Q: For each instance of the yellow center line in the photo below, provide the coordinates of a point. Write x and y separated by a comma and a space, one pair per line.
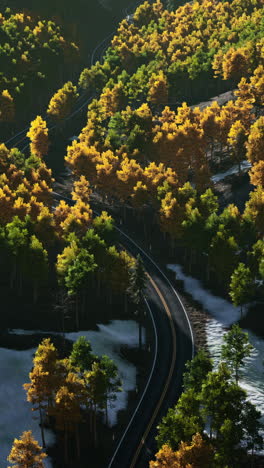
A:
165, 305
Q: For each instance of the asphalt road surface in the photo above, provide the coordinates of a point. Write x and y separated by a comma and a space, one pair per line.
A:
173, 347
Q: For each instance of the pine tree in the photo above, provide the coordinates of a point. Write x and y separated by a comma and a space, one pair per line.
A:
196, 454
37, 267
235, 349
137, 285
7, 107
237, 139
158, 90
255, 144
257, 174
97, 384
113, 381
254, 210
182, 421
46, 359
38, 394
81, 356
38, 135
241, 285
197, 370
26, 452
82, 190
69, 398
61, 103
165, 458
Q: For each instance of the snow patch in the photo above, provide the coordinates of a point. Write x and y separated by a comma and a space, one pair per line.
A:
245, 166
16, 414
108, 340
219, 308
222, 315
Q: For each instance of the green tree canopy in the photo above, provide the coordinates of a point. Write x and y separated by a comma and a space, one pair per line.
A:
235, 349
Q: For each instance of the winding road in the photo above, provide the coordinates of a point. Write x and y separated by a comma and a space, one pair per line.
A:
173, 346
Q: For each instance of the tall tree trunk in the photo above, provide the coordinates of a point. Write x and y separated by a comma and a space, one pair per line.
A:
13, 275
42, 428
252, 457
139, 331
91, 420
145, 230
95, 429
190, 260
106, 412
20, 285
35, 292
63, 326
66, 459
207, 269
83, 306
98, 284
110, 297
77, 441
77, 313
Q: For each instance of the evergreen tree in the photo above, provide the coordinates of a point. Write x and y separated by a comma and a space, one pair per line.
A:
62, 102
241, 286
182, 421
113, 381
97, 383
26, 452
219, 404
38, 393
137, 285
81, 355
197, 370
38, 135
235, 349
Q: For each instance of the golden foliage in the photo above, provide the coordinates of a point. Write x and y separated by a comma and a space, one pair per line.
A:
197, 454
82, 190
255, 144
26, 452
7, 107
38, 135
61, 103
257, 174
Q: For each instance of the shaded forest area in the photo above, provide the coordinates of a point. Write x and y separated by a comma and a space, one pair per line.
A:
85, 21
42, 46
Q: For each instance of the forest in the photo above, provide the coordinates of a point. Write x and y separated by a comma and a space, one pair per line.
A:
138, 150
33, 53
153, 137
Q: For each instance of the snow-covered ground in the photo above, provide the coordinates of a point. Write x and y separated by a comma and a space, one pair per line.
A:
16, 415
222, 314
15, 412
245, 165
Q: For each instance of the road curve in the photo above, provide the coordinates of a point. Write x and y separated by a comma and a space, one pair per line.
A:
173, 346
